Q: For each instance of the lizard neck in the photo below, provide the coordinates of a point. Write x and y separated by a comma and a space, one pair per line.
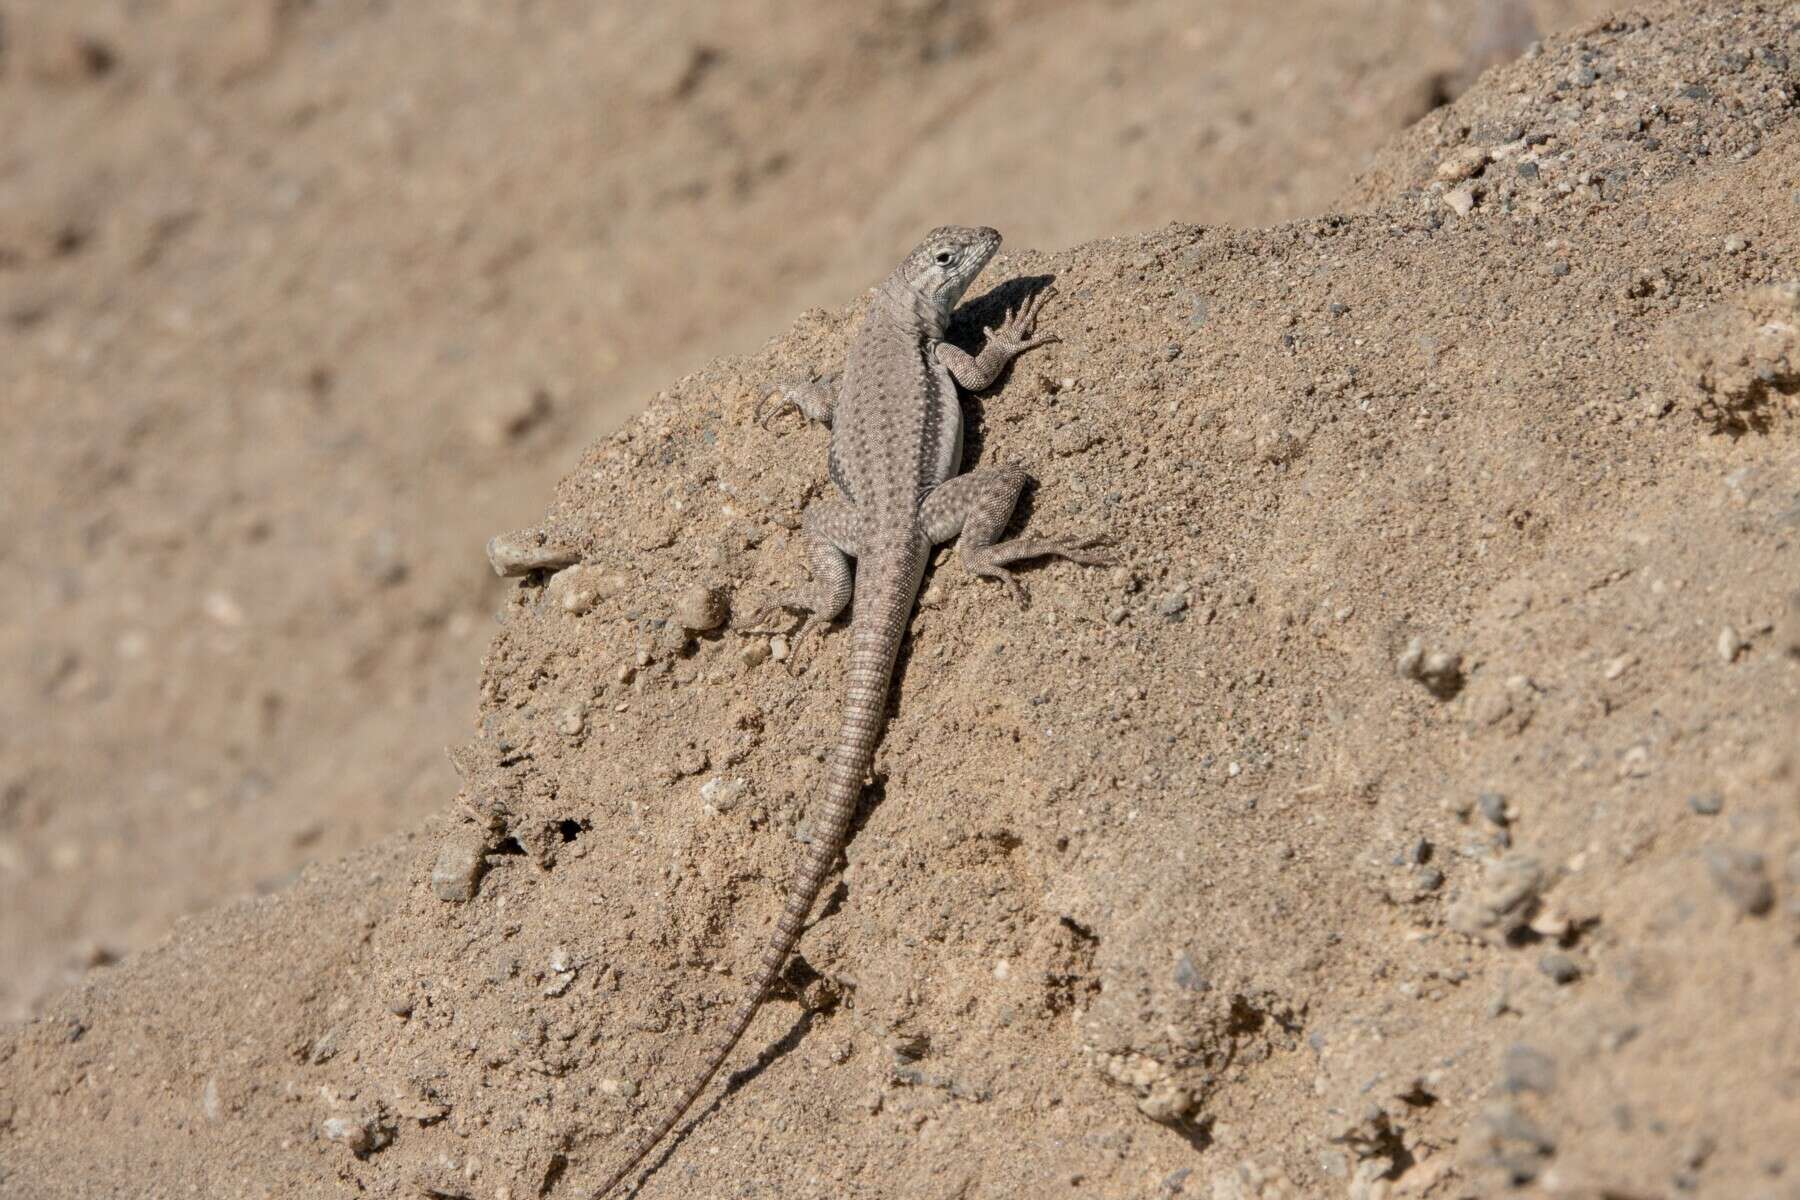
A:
902, 304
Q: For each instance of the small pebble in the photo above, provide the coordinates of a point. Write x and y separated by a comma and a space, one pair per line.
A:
1696, 1150
1736, 244
1117, 615
1505, 898
571, 723
756, 653
624, 1089
1707, 804
525, 551
1730, 644
1525, 1068
1493, 807
457, 871
353, 1132
1172, 604
721, 795
1559, 967
779, 648
1188, 977
700, 609
1464, 163
1742, 875
1461, 199
1439, 670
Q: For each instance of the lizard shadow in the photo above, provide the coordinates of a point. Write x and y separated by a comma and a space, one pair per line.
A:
966, 330
791, 1040
735, 1082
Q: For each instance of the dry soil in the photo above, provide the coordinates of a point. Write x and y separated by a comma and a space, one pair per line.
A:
1414, 812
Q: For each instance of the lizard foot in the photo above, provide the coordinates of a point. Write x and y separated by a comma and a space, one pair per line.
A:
990, 561
814, 399
1011, 581
1015, 332
759, 623
796, 635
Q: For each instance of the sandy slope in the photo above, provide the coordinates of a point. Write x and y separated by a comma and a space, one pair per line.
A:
301, 301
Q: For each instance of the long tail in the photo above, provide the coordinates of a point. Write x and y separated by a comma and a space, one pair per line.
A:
876, 629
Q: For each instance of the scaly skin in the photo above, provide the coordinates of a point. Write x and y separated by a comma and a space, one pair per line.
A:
896, 445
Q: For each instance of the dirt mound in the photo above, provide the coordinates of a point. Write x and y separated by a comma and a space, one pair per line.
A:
299, 302
1415, 814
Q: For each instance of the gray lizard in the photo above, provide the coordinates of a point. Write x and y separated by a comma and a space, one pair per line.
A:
896, 447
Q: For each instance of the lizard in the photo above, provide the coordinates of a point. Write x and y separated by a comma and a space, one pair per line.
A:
896, 452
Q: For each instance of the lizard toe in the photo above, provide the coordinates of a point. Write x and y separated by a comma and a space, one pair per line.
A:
989, 570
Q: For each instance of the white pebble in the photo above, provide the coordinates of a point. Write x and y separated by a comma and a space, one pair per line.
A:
721, 795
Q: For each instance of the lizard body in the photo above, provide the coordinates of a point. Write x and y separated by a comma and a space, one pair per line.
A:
896, 447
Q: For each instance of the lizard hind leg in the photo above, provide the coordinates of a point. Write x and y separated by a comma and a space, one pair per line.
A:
833, 536
974, 508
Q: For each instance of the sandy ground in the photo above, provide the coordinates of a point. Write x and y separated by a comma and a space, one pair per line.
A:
1414, 813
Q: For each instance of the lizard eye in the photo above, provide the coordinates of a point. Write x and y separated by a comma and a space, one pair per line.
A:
944, 257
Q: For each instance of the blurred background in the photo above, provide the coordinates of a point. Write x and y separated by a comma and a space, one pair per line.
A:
301, 300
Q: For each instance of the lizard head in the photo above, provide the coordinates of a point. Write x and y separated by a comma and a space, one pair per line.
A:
942, 266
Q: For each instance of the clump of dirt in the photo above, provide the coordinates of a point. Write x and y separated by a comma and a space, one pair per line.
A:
1415, 813
1742, 359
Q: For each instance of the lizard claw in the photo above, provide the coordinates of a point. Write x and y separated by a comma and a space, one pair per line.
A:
1089, 551
763, 614
765, 414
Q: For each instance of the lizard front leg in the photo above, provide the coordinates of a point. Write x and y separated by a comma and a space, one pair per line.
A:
833, 536
976, 371
974, 508
815, 398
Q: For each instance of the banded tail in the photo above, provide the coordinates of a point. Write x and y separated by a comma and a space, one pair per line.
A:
875, 630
